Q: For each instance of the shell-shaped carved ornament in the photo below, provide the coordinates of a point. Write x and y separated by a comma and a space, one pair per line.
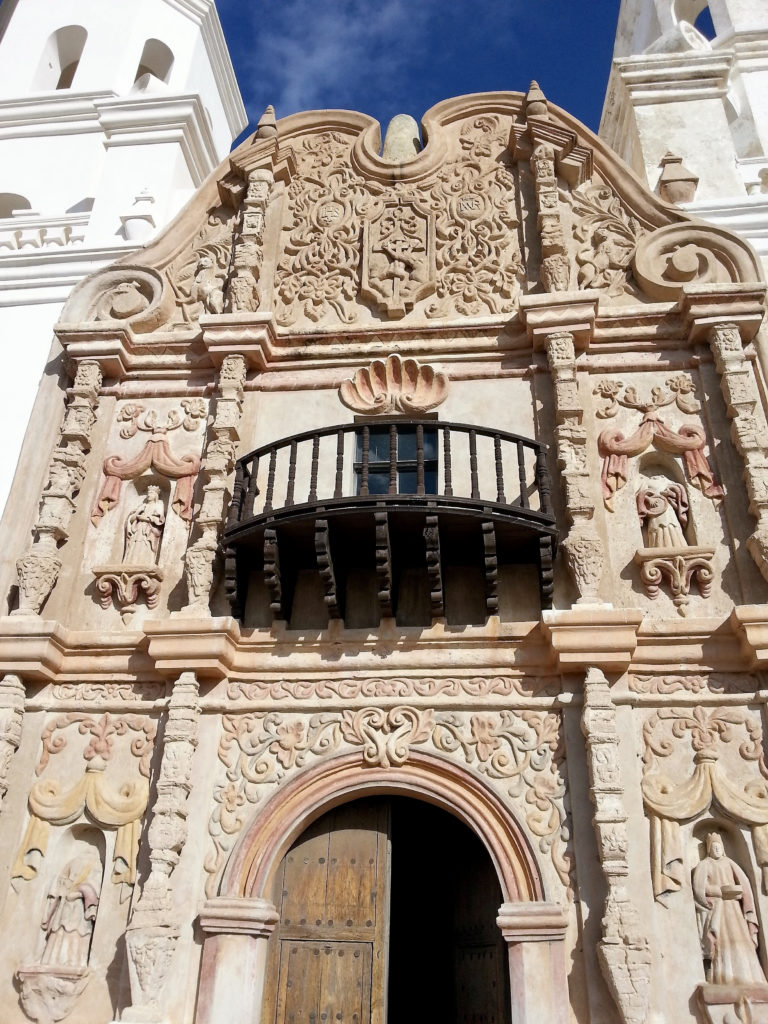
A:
394, 385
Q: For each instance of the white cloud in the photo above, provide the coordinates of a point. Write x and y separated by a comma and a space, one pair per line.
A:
307, 54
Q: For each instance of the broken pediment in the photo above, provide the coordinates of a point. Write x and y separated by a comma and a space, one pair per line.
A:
307, 231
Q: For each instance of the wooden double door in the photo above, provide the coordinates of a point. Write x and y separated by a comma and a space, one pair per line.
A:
387, 913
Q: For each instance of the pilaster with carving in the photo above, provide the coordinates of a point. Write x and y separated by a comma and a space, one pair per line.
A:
748, 430
582, 545
244, 294
153, 931
11, 715
555, 269
217, 464
38, 569
623, 950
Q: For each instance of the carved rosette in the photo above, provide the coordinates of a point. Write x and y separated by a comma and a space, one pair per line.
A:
152, 931
11, 715
218, 463
624, 953
38, 569
748, 430
583, 548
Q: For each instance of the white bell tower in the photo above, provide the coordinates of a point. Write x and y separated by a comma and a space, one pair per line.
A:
700, 103
111, 115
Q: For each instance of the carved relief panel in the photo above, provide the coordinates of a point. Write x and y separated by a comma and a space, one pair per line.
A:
449, 244
658, 480
141, 514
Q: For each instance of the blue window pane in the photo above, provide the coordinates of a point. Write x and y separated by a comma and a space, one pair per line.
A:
430, 481
430, 444
378, 483
379, 447
407, 481
406, 443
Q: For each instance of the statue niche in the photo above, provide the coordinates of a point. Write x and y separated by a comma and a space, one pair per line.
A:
144, 529
50, 987
137, 573
667, 554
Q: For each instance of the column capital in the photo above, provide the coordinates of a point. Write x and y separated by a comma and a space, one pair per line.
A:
551, 313
229, 915
713, 305
532, 922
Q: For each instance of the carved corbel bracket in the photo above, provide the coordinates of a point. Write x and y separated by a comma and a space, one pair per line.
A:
250, 335
680, 568
125, 584
49, 991
543, 315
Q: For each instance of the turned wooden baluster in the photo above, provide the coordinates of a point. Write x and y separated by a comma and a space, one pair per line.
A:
521, 474
313, 473
499, 470
447, 469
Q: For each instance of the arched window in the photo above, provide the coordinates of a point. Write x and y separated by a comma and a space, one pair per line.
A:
60, 58
11, 202
156, 60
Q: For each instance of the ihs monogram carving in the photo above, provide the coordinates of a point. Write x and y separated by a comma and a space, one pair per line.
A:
520, 753
609, 235
693, 757
114, 797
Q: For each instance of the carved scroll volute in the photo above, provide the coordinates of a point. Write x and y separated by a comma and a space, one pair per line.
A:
398, 256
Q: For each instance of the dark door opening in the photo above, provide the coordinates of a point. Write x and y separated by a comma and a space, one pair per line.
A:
387, 913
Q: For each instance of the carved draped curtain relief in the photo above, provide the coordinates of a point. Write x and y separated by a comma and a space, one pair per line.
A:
657, 477
92, 768
702, 761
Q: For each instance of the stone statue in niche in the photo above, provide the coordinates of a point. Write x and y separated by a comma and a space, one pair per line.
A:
70, 913
663, 509
728, 926
144, 529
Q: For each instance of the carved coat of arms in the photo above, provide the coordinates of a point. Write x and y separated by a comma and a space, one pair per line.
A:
398, 256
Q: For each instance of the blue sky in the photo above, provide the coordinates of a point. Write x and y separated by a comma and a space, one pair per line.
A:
385, 57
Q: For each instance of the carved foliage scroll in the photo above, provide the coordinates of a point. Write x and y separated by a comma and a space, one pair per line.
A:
519, 753
455, 236
608, 234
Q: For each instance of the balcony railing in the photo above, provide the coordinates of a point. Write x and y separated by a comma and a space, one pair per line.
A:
449, 472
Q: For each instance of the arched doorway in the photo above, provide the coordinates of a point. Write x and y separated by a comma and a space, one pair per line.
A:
387, 911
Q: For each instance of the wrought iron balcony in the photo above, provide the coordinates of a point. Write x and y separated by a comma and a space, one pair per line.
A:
388, 495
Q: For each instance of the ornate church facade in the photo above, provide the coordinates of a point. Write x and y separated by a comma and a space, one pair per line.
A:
388, 639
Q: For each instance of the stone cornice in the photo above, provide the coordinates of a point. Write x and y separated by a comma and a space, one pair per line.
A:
671, 78
162, 118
